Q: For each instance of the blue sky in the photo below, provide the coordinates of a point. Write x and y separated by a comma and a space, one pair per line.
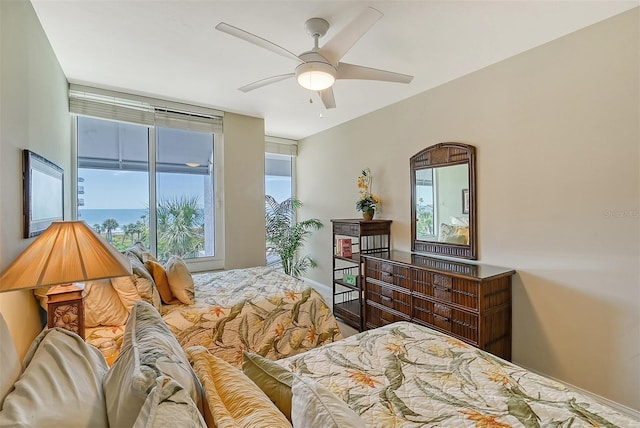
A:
109, 189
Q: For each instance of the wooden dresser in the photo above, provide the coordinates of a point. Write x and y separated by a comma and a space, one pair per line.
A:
471, 302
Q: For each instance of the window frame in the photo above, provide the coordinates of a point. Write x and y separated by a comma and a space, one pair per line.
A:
195, 264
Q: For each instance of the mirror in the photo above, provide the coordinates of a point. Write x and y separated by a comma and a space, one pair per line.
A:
443, 201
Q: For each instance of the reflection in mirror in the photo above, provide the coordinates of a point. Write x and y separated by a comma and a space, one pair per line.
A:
440, 207
443, 205
424, 204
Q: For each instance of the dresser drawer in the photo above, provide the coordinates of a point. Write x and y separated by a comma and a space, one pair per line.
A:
390, 273
347, 229
388, 297
377, 317
459, 323
446, 288
470, 302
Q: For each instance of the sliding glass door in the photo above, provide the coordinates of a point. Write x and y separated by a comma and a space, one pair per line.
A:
149, 184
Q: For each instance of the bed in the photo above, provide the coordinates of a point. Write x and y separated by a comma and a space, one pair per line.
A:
259, 309
408, 375
400, 375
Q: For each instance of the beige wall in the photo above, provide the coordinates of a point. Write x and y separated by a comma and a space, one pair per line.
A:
556, 131
244, 191
33, 115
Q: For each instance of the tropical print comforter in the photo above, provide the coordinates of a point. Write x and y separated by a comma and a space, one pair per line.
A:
406, 375
258, 309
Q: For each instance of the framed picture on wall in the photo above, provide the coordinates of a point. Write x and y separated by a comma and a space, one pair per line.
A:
43, 193
465, 201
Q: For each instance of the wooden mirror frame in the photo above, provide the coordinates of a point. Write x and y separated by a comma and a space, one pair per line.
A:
446, 154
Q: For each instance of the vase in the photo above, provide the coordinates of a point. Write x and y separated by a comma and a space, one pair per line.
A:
368, 213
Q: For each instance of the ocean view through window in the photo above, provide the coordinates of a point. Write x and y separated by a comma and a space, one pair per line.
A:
118, 184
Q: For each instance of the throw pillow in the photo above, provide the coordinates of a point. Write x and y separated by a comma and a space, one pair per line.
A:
180, 280
273, 379
102, 305
148, 351
144, 283
313, 405
125, 286
60, 386
233, 400
162, 283
137, 250
146, 256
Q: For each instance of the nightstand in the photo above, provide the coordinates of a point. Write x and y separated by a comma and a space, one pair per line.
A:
65, 308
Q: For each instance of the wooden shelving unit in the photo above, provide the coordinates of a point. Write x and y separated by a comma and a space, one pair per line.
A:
366, 237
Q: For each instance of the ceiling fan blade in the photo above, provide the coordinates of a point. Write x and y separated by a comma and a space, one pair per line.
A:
265, 82
256, 40
327, 98
339, 44
350, 71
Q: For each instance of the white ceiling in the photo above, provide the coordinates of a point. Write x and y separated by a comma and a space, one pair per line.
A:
170, 49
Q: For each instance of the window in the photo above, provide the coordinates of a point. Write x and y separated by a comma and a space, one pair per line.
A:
278, 176
279, 180
156, 183
113, 175
424, 204
184, 193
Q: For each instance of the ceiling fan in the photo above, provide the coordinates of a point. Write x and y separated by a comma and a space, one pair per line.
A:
319, 68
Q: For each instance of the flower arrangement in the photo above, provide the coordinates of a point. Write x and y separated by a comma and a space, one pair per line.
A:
368, 202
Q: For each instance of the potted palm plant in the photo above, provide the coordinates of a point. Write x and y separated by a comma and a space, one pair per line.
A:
285, 235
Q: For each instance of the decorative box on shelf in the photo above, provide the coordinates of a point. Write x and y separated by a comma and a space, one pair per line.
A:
349, 279
344, 248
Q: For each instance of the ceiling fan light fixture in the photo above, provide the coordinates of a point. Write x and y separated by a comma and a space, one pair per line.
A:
316, 76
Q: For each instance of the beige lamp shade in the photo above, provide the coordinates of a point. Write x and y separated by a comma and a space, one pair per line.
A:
68, 251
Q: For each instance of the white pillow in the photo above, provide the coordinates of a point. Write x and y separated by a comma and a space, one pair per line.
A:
148, 351
313, 405
102, 305
169, 405
127, 291
180, 280
10, 370
60, 386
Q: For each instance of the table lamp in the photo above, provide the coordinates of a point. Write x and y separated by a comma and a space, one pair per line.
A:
66, 252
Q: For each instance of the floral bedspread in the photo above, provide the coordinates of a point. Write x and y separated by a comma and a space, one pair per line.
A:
258, 309
405, 375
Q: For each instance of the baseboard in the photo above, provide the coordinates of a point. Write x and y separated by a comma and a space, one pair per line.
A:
323, 289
